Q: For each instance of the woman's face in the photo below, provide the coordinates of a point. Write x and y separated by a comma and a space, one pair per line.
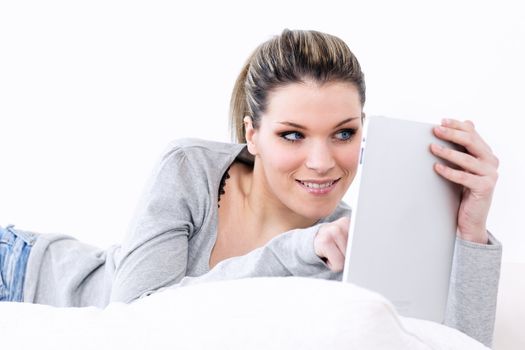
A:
307, 145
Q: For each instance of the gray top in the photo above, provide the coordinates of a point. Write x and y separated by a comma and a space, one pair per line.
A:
171, 238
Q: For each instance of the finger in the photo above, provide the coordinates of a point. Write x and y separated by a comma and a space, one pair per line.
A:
341, 240
335, 258
468, 139
471, 140
464, 160
476, 184
341, 237
466, 125
343, 223
337, 233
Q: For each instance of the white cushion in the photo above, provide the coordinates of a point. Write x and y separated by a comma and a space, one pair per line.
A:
258, 313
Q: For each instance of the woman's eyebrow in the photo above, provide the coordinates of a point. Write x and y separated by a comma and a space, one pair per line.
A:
298, 126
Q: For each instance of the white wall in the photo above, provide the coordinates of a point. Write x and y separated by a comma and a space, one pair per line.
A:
91, 92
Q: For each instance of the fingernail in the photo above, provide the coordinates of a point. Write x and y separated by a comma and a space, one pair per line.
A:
442, 129
445, 121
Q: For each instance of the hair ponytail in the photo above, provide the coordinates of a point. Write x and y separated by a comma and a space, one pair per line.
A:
239, 107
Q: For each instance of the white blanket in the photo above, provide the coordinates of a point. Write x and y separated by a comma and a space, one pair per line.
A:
259, 313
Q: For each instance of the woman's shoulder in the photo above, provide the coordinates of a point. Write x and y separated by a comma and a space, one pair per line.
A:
206, 153
192, 168
196, 145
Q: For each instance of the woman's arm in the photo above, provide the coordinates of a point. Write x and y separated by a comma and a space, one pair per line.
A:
477, 259
155, 251
289, 254
471, 306
316, 251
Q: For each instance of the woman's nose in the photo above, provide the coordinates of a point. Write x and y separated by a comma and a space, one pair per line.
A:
320, 158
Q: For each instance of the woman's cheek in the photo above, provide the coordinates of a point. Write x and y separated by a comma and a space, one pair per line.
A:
287, 160
348, 159
351, 160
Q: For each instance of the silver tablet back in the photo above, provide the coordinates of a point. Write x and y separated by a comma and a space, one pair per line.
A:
404, 218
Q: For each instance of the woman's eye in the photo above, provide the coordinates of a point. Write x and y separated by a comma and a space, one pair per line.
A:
292, 136
345, 134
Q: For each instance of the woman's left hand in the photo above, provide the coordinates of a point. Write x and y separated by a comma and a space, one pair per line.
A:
478, 175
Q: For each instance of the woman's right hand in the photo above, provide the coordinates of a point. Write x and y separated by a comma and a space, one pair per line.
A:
330, 243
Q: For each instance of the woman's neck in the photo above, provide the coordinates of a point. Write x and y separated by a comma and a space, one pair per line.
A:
263, 210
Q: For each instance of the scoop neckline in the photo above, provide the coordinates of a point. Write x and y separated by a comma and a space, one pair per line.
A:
215, 210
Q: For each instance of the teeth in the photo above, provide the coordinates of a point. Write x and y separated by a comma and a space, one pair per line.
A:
314, 185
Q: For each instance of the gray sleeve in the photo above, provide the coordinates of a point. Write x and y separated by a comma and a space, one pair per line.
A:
471, 306
155, 251
289, 254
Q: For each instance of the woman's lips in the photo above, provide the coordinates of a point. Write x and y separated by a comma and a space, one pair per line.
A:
318, 187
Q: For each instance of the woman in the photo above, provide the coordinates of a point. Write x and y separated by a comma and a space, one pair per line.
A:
267, 206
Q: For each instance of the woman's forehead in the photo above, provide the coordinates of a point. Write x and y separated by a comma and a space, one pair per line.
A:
298, 103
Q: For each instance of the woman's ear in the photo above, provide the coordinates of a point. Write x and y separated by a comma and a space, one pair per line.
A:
250, 134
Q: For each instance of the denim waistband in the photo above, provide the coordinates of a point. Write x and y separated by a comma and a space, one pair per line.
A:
10, 236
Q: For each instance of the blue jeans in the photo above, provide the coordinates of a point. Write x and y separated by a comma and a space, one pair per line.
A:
15, 247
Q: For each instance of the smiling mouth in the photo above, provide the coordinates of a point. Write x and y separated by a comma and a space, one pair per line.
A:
318, 184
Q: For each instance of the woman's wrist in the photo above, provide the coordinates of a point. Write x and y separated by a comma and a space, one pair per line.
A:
481, 237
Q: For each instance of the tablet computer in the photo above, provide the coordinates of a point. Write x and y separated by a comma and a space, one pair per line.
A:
404, 218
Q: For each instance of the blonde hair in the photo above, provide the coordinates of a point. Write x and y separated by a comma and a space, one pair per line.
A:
295, 56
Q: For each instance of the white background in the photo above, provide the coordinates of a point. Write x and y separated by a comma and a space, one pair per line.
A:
92, 91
